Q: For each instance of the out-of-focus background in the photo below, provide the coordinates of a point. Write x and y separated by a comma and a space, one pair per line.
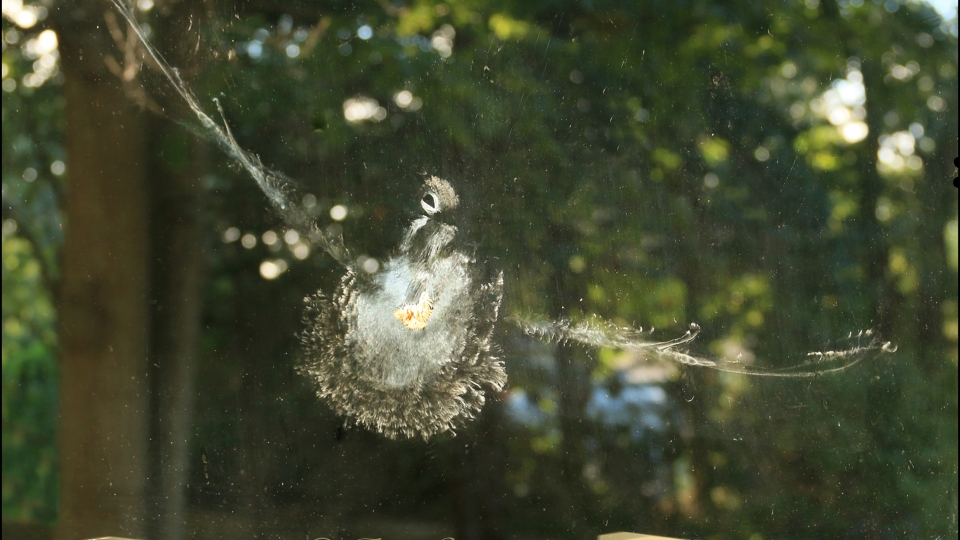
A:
778, 172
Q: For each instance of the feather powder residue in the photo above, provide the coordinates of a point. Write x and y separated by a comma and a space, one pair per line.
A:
384, 375
859, 346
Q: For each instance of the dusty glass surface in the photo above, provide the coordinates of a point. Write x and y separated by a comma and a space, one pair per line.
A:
482, 270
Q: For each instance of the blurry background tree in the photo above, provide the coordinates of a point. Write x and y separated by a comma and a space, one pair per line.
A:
778, 172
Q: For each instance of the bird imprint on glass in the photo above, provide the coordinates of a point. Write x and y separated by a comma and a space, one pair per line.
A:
408, 351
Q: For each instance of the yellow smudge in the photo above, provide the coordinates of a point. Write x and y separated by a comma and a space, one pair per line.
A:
415, 316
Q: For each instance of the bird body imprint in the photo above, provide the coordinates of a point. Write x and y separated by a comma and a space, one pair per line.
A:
408, 350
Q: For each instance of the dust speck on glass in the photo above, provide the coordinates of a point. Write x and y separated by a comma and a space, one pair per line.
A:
408, 350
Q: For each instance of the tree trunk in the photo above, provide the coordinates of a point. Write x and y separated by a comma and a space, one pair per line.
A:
177, 272
177, 275
103, 312
573, 384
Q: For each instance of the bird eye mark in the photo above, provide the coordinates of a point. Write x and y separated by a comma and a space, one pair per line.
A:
430, 203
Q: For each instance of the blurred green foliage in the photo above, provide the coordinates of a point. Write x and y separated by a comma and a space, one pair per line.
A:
32, 162
654, 163
29, 386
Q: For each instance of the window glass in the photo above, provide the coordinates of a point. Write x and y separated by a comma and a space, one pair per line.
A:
421, 269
